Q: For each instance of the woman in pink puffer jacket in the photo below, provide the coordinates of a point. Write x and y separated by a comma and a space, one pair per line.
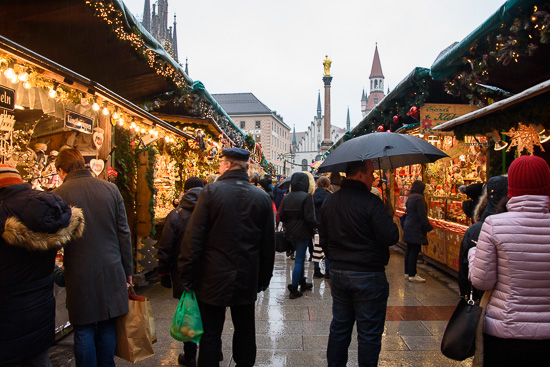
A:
512, 258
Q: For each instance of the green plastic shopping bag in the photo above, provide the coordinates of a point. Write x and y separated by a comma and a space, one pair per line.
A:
187, 324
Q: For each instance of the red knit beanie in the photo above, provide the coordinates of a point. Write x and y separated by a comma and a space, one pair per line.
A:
528, 175
9, 175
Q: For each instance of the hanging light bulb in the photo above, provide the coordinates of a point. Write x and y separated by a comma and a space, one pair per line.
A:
116, 115
156, 133
24, 76
27, 85
543, 134
133, 125
9, 73
151, 131
121, 121
499, 143
95, 106
105, 111
52, 93
167, 139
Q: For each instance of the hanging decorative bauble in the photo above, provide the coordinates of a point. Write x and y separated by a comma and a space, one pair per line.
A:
525, 137
97, 166
381, 129
414, 112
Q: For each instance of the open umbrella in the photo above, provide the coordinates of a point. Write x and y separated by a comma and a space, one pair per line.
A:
386, 150
285, 184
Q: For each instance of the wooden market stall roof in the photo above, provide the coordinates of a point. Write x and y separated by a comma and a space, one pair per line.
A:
104, 41
523, 58
498, 107
63, 75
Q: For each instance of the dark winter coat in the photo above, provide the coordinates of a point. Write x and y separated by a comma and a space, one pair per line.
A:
496, 190
172, 234
96, 265
278, 195
228, 249
297, 211
356, 230
33, 226
416, 225
319, 197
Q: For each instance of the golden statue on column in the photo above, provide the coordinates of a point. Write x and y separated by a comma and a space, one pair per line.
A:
326, 64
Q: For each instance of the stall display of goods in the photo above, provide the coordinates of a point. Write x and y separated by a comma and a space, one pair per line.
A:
404, 177
165, 184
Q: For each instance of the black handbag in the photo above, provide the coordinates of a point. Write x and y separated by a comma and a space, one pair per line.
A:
458, 341
280, 242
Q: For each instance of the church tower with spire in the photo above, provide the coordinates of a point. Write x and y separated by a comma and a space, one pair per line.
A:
156, 22
376, 79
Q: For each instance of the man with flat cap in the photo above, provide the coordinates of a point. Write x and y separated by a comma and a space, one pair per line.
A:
227, 257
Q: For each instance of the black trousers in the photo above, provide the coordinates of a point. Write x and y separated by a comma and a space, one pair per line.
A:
244, 337
411, 257
498, 352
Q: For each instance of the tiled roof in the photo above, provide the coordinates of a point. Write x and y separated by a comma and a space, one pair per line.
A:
241, 104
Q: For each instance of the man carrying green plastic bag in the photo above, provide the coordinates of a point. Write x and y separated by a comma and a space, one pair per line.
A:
186, 324
227, 257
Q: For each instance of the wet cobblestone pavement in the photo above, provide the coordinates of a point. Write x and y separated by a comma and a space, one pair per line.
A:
295, 332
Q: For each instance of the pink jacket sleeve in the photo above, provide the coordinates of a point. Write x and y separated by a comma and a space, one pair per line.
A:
483, 268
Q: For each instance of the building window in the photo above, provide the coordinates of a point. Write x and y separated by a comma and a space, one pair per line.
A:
304, 164
243, 124
258, 124
375, 99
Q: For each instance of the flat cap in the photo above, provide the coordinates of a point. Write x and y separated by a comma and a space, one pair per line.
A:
236, 153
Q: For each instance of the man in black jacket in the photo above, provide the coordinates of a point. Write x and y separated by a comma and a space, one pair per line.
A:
169, 249
227, 257
356, 233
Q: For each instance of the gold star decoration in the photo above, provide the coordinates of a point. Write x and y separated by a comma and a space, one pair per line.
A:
525, 137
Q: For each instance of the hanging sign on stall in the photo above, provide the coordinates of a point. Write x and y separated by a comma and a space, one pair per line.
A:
433, 114
76, 121
7, 98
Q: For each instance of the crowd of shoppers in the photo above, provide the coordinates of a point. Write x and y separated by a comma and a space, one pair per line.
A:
219, 242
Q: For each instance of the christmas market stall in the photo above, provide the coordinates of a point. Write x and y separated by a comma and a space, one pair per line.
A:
46, 107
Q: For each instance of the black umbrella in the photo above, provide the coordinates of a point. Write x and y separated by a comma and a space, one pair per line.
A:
386, 150
285, 184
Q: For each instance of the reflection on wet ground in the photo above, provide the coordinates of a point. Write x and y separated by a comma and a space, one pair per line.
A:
295, 332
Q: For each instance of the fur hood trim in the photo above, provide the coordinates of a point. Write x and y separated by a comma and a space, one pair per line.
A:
480, 207
17, 234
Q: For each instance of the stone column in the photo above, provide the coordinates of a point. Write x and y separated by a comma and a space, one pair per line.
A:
327, 143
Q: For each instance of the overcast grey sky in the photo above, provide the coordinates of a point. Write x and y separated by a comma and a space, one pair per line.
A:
275, 49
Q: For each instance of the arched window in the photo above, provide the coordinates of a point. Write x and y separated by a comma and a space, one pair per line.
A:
304, 164
376, 84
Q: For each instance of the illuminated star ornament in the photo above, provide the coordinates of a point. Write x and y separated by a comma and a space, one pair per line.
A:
525, 137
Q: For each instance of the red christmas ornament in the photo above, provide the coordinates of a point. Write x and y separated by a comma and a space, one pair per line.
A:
381, 129
396, 118
414, 112
111, 172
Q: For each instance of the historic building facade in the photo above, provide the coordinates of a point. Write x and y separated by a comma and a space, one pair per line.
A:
376, 78
155, 20
265, 125
306, 146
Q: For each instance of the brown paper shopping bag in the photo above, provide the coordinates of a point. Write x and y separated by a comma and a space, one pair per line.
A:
135, 331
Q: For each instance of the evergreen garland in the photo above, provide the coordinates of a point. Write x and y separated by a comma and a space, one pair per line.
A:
529, 29
125, 166
150, 178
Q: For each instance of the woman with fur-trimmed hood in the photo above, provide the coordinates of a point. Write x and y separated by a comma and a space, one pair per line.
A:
297, 212
33, 226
